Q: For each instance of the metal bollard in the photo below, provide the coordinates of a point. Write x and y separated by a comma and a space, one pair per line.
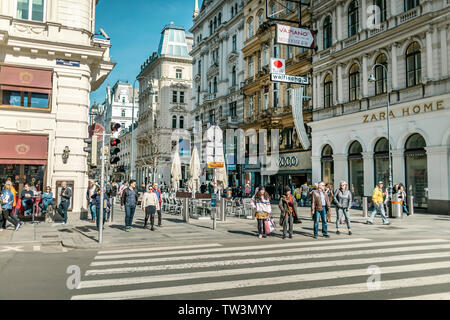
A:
214, 213
365, 209
222, 210
411, 205
186, 209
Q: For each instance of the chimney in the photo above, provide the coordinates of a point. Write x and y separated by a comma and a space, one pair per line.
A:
195, 10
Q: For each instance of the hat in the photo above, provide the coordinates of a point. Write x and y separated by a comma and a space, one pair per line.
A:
286, 189
380, 182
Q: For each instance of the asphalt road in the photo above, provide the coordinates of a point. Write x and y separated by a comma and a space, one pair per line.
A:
343, 267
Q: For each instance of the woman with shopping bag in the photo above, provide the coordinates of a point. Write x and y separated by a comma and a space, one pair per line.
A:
261, 205
288, 208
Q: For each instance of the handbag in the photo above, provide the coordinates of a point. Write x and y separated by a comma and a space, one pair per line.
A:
269, 225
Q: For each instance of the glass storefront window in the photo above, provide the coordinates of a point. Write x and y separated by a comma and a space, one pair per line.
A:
416, 170
356, 170
327, 165
21, 174
381, 162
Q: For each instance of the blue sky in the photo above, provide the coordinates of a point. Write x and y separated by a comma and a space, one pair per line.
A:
134, 27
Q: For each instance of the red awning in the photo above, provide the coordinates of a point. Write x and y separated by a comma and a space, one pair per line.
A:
23, 149
26, 89
25, 77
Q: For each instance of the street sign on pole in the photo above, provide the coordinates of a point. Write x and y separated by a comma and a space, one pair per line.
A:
277, 66
299, 37
289, 79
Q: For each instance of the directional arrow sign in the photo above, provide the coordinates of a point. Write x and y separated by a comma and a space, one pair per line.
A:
292, 36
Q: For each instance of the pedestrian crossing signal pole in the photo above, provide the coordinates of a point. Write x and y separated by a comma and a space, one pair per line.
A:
102, 186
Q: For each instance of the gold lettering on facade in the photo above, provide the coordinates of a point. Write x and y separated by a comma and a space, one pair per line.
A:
366, 118
416, 109
373, 118
382, 115
428, 107
439, 105
391, 114
406, 111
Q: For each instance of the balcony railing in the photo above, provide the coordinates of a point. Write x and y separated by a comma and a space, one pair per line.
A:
409, 15
351, 41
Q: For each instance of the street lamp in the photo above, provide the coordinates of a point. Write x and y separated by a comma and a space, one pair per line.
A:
132, 123
372, 78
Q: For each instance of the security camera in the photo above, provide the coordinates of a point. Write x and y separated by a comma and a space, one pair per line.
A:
104, 34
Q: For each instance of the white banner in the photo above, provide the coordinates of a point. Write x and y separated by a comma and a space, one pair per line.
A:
297, 112
288, 78
295, 36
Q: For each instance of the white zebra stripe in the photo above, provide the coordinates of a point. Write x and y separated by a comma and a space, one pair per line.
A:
433, 296
155, 249
223, 249
291, 278
253, 270
234, 262
252, 253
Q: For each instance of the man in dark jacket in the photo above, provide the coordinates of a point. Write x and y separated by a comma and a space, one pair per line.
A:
129, 201
320, 205
66, 195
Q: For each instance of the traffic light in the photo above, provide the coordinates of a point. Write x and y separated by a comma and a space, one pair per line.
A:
114, 142
91, 149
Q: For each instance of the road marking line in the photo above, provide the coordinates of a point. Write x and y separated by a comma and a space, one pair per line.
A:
36, 248
160, 248
253, 270
433, 296
234, 262
14, 248
246, 253
289, 278
225, 249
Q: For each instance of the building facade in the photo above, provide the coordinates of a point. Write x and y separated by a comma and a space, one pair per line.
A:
165, 85
268, 105
349, 128
218, 73
49, 63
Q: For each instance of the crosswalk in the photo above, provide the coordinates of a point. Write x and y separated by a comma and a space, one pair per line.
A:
355, 267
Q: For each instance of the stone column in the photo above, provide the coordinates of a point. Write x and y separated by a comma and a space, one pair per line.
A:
334, 102
340, 168
363, 15
394, 70
316, 169
438, 168
365, 79
369, 183
429, 52
398, 167
444, 53
339, 22
340, 98
315, 104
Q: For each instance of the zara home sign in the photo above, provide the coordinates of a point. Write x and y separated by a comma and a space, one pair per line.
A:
405, 111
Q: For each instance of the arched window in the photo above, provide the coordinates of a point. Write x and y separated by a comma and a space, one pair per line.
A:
381, 161
260, 18
232, 11
353, 18
380, 75
219, 19
327, 164
356, 170
327, 33
174, 122
181, 122
416, 171
249, 28
233, 76
411, 4
381, 4
328, 91
354, 82
215, 24
413, 65
123, 113
215, 84
210, 27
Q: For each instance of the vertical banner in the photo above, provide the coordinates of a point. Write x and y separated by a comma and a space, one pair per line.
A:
297, 111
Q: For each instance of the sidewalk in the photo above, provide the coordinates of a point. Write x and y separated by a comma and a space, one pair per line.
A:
82, 234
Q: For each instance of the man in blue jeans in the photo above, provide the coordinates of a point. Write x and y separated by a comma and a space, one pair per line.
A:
129, 201
66, 195
320, 206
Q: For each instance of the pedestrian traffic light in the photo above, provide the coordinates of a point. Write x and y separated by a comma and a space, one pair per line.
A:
91, 149
114, 151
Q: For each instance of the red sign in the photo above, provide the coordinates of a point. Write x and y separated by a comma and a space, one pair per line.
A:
25, 77
96, 129
23, 149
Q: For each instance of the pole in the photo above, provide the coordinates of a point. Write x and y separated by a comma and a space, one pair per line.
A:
102, 185
132, 133
389, 146
215, 194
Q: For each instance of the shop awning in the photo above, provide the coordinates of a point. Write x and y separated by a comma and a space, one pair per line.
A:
25, 77
34, 90
23, 149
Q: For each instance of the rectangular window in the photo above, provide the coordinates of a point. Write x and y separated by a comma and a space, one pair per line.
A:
174, 96
30, 10
250, 66
199, 67
234, 43
288, 52
179, 74
275, 95
233, 109
181, 96
250, 106
288, 95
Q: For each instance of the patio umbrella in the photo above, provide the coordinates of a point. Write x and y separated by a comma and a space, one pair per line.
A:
194, 168
222, 178
176, 168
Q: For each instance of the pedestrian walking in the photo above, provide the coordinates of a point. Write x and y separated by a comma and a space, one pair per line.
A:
330, 194
343, 201
14, 192
378, 204
320, 206
261, 205
288, 208
248, 190
304, 190
399, 196
150, 205
96, 199
7, 201
123, 187
66, 195
129, 201
203, 188
298, 195
91, 190
158, 210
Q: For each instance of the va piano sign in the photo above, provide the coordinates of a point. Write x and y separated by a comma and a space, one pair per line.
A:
292, 36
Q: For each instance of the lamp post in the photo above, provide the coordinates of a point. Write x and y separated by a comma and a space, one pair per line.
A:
372, 78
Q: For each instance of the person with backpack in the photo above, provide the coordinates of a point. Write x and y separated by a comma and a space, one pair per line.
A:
343, 201
129, 201
288, 208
